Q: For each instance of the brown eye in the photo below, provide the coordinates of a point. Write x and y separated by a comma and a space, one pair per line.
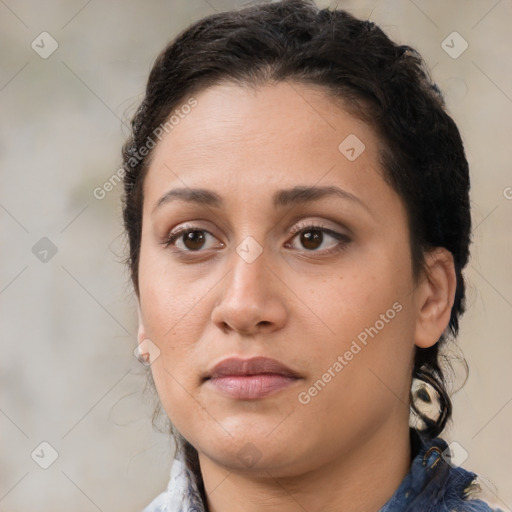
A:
188, 240
311, 239
193, 240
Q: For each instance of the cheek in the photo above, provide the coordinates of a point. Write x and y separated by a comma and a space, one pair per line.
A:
171, 315
168, 299
355, 300
368, 322
361, 374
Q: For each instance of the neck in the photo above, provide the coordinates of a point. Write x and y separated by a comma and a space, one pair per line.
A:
346, 484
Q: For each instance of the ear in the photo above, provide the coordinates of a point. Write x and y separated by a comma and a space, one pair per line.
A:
435, 297
141, 335
147, 351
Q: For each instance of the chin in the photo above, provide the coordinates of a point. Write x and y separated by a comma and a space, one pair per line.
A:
253, 452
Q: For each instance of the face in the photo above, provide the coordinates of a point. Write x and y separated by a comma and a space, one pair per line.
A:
297, 251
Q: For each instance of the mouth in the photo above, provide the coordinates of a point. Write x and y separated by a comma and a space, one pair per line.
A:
250, 379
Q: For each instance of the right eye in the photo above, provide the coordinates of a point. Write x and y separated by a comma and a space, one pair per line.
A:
188, 239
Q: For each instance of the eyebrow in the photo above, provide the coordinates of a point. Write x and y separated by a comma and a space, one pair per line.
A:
280, 199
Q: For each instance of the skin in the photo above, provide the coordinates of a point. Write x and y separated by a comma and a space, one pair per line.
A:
293, 303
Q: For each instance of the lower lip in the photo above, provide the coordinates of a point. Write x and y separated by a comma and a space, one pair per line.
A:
251, 387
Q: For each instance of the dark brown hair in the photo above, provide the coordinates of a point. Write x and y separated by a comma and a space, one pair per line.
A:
383, 83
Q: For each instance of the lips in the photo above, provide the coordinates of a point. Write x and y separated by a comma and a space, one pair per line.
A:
249, 379
254, 366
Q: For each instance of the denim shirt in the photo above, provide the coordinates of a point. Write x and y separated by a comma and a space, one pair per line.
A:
432, 485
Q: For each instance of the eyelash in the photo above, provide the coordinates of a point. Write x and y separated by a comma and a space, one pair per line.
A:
343, 239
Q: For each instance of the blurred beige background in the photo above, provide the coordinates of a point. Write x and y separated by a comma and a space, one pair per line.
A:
68, 375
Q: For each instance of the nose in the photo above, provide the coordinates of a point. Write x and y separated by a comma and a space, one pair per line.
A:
252, 298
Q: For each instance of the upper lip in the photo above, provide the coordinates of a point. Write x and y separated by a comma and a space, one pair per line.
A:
254, 366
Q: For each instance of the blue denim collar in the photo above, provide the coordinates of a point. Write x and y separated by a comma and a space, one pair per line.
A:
432, 484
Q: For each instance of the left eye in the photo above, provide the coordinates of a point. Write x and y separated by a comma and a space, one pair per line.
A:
313, 237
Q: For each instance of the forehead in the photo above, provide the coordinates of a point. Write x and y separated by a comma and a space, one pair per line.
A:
245, 140
230, 114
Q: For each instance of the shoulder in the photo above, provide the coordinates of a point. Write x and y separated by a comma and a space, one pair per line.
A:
474, 506
477, 497
181, 493
435, 483
462, 490
159, 504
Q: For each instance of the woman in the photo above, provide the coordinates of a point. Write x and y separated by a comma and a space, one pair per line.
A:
297, 207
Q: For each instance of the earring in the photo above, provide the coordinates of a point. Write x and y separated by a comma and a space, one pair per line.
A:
146, 352
423, 403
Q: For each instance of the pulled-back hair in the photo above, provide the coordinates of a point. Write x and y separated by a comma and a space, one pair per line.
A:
385, 84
